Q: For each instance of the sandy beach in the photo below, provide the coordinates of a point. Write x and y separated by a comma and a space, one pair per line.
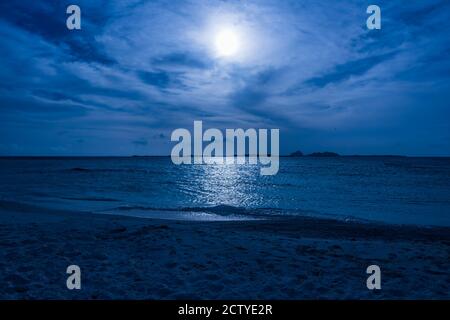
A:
135, 258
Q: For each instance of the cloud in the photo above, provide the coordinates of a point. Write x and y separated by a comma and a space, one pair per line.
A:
349, 69
141, 69
181, 60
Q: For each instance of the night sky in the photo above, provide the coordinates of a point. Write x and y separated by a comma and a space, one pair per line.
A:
139, 69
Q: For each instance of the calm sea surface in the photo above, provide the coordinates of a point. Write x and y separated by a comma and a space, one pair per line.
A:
388, 189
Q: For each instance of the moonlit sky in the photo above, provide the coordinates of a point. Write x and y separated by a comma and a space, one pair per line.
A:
139, 69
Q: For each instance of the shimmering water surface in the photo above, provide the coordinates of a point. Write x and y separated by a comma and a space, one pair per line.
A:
388, 189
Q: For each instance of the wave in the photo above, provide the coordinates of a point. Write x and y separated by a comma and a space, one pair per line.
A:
126, 170
200, 213
221, 209
79, 169
186, 213
91, 199
234, 211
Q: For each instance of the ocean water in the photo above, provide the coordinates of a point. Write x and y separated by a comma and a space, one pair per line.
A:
386, 189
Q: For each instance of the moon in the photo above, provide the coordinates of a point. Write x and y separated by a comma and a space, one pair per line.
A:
227, 43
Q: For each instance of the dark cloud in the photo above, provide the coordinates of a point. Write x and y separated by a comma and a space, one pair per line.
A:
48, 19
346, 70
182, 60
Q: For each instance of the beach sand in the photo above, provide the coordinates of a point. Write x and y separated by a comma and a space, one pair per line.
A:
286, 258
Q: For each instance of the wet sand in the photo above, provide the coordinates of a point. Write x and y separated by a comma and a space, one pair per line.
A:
287, 258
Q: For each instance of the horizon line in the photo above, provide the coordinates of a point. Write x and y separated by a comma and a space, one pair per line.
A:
311, 155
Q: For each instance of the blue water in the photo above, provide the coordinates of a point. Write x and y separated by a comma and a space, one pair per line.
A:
387, 189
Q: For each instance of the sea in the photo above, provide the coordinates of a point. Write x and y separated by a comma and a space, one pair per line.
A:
394, 190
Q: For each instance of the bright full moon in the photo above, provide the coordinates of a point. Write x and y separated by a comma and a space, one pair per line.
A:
227, 43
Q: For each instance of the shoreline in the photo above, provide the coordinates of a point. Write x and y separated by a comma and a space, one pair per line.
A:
125, 257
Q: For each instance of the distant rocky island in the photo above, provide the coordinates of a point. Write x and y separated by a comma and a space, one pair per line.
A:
298, 153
